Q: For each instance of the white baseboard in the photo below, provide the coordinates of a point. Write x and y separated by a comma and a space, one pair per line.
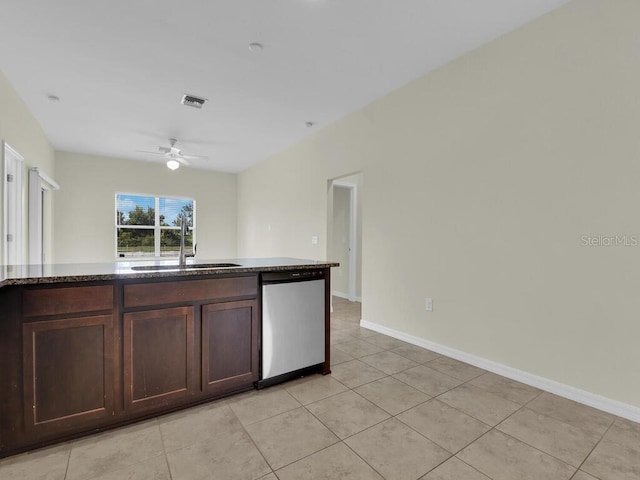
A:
605, 404
336, 293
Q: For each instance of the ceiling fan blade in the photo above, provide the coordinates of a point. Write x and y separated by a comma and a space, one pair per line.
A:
174, 153
153, 153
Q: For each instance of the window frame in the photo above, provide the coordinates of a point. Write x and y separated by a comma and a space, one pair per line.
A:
157, 228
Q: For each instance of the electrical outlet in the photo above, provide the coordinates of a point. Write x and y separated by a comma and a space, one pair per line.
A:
314, 240
428, 304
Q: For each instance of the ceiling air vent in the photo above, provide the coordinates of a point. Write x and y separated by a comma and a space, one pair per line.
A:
193, 101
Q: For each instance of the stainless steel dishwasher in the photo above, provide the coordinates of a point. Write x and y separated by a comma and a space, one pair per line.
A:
293, 324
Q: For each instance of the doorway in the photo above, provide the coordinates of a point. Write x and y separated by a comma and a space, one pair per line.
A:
40, 188
13, 211
345, 236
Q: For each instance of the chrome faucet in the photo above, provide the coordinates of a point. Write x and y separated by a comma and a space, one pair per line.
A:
184, 231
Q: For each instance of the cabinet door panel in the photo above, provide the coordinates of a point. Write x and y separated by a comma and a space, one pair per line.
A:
230, 336
158, 356
68, 367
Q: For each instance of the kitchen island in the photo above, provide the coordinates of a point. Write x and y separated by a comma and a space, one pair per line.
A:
86, 347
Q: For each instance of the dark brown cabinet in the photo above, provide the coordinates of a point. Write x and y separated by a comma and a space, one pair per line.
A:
79, 357
68, 372
158, 357
188, 340
230, 342
86, 356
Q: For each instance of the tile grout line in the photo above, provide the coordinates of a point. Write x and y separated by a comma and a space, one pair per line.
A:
518, 440
437, 397
471, 466
564, 423
66, 470
525, 405
166, 461
521, 407
454, 454
397, 419
246, 432
276, 388
343, 442
121, 429
320, 399
164, 449
367, 463
351, 449
353, 434
490, 426
593, 449
309, 455
494, 427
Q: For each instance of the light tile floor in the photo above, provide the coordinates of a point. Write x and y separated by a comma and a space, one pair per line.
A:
389, 410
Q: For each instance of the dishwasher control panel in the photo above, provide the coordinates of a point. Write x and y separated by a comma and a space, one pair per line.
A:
297, 275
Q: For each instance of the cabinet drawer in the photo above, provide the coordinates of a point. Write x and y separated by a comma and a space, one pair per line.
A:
158, 293
58, 301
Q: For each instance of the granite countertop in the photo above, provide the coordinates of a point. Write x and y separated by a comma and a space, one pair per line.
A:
86, 272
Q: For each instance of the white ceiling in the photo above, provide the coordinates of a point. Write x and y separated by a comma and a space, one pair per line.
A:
120, 67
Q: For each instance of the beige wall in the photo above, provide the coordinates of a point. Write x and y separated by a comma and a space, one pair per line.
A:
481, 180
282, 201
85, 211
22, 132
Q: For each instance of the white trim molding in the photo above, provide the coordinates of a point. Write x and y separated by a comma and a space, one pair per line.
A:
335, 293
39, 186
13, 206
605, 404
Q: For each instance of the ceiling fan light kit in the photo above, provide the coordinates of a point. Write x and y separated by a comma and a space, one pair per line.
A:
173, 164
174, 156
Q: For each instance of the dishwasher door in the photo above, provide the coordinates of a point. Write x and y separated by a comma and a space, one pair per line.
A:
293, 326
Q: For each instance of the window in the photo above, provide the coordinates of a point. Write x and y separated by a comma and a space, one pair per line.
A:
148, 226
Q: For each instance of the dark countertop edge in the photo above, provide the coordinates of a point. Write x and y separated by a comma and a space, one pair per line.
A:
160, 274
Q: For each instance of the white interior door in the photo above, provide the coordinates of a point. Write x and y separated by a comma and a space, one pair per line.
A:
13, 211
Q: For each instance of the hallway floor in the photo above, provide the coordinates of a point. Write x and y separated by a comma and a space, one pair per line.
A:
388, 410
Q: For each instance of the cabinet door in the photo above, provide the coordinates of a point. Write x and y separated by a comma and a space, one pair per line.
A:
68, 372
230, 339
158, 357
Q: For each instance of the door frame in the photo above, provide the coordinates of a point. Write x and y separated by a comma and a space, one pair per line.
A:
12, 218
40, 186
353, 235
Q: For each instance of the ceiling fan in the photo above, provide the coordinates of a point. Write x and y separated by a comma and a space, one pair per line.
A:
174, 155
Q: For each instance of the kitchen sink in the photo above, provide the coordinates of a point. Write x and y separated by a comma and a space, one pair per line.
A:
198, 266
